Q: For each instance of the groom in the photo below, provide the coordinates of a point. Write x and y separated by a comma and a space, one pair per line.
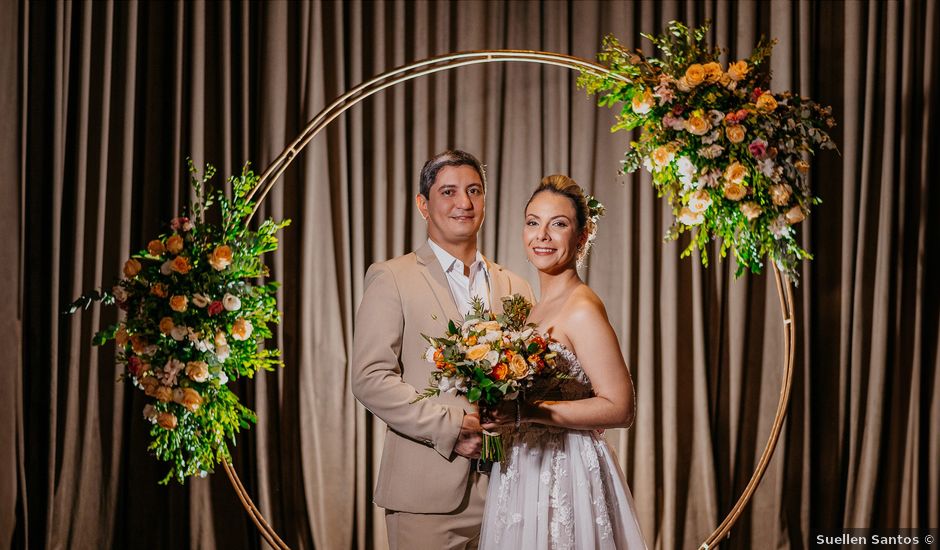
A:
430, 482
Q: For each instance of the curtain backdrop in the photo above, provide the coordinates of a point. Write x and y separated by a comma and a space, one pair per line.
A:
101, 103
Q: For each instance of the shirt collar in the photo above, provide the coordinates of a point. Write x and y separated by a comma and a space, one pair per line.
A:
449, 262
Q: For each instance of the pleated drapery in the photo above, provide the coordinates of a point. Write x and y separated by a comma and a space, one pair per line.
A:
102, 102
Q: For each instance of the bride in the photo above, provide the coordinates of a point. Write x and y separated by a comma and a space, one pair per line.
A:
559, 485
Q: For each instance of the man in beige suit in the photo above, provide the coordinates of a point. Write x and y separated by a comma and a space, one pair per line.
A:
430, 483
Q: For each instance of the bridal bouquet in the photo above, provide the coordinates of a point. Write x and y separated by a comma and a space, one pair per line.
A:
729, 155
195, 319
490, 359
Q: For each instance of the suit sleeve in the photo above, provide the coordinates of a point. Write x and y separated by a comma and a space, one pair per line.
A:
376, 369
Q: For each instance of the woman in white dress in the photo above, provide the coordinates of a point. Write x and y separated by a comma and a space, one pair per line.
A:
559, 485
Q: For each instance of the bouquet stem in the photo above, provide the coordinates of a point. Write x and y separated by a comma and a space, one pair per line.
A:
492, 447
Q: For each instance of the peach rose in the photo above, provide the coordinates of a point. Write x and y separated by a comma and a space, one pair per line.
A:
642, 103
712, 71
751, 210
689, 217
149, 385
163, 393
663, 155
181, 265
159, 290
738, 70
734, 191
121, 337
166, 420
795, 215
200, 300
131, 268
155, 247
683, 85
478, 352
735, 173
518, 366
694, 75
166, 325
697, 125
221, 257
780, 194
178, 303
486, 326
220, 339
241, 329
735, 133
700, 201
197, 371
174, 244
190, 399
766, 103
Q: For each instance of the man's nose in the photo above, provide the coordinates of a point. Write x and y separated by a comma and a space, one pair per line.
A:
464, 202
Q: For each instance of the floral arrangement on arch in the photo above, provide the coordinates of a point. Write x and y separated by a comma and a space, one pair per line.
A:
196, 317
729, 155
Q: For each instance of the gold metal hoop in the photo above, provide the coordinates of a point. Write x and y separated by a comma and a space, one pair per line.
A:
461, 59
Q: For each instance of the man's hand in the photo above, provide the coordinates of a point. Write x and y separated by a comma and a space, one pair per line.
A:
503, 415
470, 441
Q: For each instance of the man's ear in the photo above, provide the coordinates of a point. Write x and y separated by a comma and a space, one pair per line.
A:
422, 203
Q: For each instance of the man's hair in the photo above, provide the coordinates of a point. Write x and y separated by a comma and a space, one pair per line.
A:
454, 157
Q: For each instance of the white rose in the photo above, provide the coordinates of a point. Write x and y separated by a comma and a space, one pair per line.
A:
231, 302
526, 333
223, 378
492, 336
179, 333
222, 353
167, 267
686, 170
429, 354
700, 201
201, 345
460, 386
492, 356
200, 300
688, 217
119, 293
446, 385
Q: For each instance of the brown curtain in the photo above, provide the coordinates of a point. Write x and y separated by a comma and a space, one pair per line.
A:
102, 101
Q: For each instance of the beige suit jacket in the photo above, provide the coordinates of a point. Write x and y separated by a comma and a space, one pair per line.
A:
405, 297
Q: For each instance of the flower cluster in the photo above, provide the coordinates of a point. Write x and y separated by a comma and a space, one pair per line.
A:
195, 319
490, 358
728, 154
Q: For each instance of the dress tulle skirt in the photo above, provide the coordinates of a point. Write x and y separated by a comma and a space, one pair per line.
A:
559, 489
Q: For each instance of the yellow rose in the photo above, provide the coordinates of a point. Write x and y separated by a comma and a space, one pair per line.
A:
163, 393
166, 420
642, 103
190, 399
241, 329
166, 325
478, 352
795, 215
802, 166
735, 173
750, 210
712, 71
735, 133
221, 257
734, 191
180, 265
197, 371
518, 367
131, 268
174, 244
178, 303
155, 247
663, 155
698, 125
694, 75
780, 194
159, 290
738, 70
688, 217
766, 103
121, 337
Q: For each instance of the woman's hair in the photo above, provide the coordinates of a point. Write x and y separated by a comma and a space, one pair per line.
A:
585, 214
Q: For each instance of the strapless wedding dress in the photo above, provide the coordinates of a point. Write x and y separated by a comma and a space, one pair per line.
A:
559, 488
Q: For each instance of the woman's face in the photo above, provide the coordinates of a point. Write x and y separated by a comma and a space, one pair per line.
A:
550, 234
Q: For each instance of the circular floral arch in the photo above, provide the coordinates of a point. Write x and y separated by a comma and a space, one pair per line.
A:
460, 59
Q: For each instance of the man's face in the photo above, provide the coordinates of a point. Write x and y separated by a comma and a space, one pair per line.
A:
454, 206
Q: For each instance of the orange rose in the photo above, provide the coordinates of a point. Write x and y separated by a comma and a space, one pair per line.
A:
155, 247
178, 303
159, 290
766, 103
471, 340
241, 329
181, 265
694, 75
499, 371
221, 257
735, 133
738, 70
166, 420
131, 268
174, 244
166, 325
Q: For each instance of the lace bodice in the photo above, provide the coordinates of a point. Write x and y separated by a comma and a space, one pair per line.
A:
578, 386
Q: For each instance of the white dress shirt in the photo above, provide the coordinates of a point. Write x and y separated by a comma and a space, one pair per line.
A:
464, 288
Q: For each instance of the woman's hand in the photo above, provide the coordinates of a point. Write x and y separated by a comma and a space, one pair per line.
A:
505, 414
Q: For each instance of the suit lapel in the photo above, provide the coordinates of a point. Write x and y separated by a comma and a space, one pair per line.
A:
499, 286
437, 281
